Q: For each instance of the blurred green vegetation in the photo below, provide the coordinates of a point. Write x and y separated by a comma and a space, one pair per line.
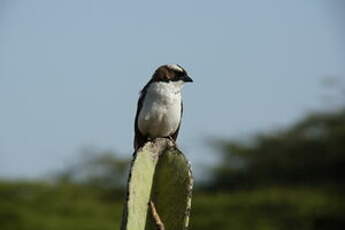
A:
310, 152
290, 178
40, 206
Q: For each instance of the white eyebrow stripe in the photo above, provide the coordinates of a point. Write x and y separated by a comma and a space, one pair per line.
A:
175, 67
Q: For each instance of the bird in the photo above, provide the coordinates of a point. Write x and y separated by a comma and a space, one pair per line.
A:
160, 107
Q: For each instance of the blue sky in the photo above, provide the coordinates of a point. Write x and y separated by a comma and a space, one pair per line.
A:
70, 71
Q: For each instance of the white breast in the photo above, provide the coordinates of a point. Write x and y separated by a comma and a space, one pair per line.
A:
161, 112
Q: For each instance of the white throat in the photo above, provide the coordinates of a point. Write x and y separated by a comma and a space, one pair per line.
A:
166, 88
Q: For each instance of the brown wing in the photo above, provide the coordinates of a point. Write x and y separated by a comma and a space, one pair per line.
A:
174, 135
139, 138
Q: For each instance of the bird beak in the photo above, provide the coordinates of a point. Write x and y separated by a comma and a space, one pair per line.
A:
186, 78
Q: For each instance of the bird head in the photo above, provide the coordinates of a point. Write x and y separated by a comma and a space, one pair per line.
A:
171, 73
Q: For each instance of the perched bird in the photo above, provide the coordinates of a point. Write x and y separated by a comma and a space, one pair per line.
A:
160, 105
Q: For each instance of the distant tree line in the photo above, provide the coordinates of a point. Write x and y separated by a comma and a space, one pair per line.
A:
310, 152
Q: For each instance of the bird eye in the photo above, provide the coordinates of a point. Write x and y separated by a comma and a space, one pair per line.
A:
178, 76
